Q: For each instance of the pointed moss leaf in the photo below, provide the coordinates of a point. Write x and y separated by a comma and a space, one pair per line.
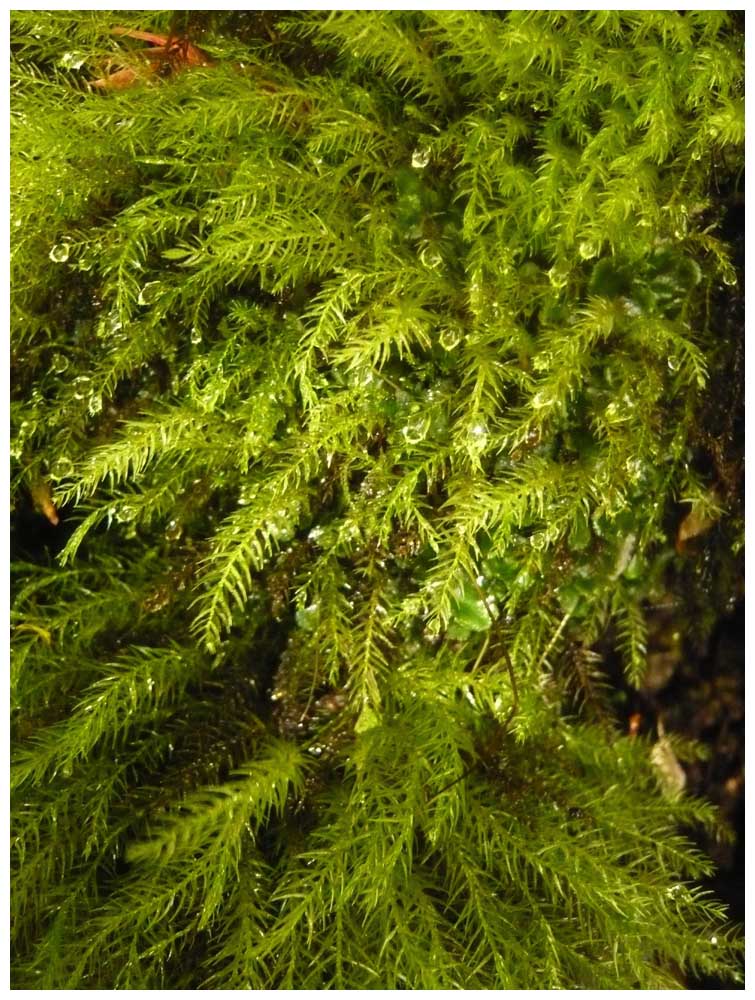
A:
367, 720
176, 253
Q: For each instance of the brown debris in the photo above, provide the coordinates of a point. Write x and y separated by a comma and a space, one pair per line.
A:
697, 522
41, 494
168, 55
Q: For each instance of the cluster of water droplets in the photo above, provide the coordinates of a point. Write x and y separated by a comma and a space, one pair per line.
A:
72, 60
621, 409
279, 526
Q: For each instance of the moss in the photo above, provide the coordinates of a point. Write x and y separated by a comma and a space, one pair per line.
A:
370, 364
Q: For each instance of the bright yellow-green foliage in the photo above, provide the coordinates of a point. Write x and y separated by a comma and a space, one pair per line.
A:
364, 365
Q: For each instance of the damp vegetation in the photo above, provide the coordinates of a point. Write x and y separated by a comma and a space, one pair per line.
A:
376, 381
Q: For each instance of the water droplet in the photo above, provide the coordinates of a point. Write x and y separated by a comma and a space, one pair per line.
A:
477, 438
589, 249
631, 308
730, 278
559, 275
72, 60
673, 363
416, 429
60, 363
325, 537
61, 467
149, 293
125, 513
196, 335
95, 404
420, 158
539, 541
431, 258
60, 252
80, 386
450, 336
174, 530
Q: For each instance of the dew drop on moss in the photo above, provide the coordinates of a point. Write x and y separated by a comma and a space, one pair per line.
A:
72, 60
149, 293
174, 530
80, 385
477, 438
125, 513
60, 253
588, 249
450, 337
420, 158
559, 275
415, 430
61, 467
